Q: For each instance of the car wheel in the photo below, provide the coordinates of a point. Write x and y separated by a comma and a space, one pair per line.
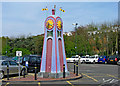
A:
22, 72
1, 75
93, 62
83, 61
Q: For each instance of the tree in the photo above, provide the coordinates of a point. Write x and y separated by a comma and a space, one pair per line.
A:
24, 51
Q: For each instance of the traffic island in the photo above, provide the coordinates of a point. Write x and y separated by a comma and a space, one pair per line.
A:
31, 78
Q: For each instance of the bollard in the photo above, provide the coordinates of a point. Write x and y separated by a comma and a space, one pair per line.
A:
76, 68
7, 72
24, 71
63, 70
35, 72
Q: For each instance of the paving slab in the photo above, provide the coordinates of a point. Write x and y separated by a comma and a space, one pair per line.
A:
31, 78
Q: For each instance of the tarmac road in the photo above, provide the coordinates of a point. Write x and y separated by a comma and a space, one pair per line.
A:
93, 75
98, 75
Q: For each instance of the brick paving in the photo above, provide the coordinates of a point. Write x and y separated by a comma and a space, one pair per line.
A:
32, 78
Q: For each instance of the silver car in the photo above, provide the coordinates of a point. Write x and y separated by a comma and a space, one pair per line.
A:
13, 68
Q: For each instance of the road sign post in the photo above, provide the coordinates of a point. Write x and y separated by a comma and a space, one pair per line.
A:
19, 53
7, 72
35, 71
63, 70
74, 66
24, 71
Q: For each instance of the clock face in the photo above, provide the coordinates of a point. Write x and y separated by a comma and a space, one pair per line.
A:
59, 24
49, 24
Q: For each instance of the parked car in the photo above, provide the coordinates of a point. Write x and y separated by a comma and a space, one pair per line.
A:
16, 59
13, 68
91, 59
3, 57
76, 58
83, 59
102, 59
113, 59
118, 62
30, 60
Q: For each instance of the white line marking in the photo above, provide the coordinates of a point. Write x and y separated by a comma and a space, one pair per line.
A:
106, 80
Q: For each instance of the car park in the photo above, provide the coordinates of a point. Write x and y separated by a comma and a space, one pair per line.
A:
30, 60
73, 58
102, 59
113, 59
13, 68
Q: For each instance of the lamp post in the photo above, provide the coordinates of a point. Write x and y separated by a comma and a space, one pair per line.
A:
6, 46
75, 24
118, 45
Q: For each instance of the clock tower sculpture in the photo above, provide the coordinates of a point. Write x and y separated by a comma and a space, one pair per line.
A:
53, 54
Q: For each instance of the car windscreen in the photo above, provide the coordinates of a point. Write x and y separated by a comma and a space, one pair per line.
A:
39, 59
83, 57
112, 56
101, 57
35, 59
73, 57
118, 56
91, 57
17, 58
5, 63
26, 59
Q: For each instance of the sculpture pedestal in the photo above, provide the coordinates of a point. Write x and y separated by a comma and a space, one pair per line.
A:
52, 75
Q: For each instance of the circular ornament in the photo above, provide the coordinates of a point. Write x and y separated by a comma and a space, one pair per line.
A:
59, 24
49, 24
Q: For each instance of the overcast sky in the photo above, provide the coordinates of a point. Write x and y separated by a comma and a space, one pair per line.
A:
23, 18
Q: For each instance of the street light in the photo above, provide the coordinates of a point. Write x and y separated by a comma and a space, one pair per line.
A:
6, 52
118, 40
75, 24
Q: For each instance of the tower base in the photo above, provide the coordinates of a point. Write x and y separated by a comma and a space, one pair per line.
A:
52, 75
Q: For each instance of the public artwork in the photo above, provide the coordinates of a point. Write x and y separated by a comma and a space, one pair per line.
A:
53, 54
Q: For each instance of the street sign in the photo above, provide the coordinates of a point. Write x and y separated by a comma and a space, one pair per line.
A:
18, 53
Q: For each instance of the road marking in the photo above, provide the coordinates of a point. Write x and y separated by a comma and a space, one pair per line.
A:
113, 81
98, 76
15, 77
90, 77
113, 76
7, 84
38, 83
69, 83
106, 80
96, 73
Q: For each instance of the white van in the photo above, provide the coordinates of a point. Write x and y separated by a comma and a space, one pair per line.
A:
83, 58
76, 58
92, 59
